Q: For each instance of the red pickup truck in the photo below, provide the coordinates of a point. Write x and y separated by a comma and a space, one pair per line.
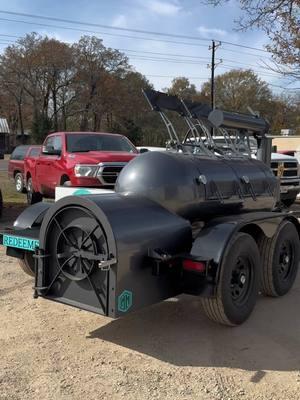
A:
87, 159
16, 164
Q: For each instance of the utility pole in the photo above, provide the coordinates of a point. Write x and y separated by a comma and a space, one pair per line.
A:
212, 83
213, 66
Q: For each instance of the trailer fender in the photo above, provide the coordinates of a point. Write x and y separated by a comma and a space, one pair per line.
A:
212, 242
32, 216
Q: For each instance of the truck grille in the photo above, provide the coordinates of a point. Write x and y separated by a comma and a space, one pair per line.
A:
109, 172
290, 168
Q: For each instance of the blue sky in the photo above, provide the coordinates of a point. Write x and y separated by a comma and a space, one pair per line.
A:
181, 17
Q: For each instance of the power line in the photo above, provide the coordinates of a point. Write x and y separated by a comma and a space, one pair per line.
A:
194, 62
85, 23
189, 56
176, 76
102, 33
164, 54
3, 34
169, 60
7, 40
285, 88
131, 37
242, 69
243, 52
146, 32
173, 60
161, 54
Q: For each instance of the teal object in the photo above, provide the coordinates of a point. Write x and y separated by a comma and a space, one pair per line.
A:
125, 301
20, 242
81, 192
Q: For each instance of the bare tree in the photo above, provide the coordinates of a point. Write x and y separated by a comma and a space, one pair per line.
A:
280, 19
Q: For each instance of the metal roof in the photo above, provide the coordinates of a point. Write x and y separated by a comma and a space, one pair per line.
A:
4, 128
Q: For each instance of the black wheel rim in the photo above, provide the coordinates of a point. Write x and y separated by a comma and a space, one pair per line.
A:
286, 260
241, 280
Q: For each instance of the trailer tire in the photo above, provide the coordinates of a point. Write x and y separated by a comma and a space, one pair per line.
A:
27, 264
238, 285
280, 259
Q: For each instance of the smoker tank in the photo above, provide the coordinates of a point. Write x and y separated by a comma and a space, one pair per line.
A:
196, 187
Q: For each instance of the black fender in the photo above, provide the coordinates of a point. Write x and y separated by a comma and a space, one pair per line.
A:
31, 216
212, 241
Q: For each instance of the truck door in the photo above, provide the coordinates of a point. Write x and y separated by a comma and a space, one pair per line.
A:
47, 167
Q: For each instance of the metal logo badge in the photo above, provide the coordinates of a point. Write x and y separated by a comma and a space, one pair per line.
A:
81, 192
280, 170
125, 301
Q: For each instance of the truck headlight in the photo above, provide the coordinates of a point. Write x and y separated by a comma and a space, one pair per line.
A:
85, 171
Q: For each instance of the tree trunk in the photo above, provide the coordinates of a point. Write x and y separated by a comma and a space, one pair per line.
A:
84, 121
55, 122
20, 117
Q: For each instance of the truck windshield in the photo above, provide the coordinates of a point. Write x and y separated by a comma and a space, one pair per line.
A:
88, 142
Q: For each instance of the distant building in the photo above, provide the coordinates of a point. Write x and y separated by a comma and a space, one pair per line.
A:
287, 132
4, 136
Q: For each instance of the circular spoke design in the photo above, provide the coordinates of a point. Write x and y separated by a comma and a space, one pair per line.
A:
77, 249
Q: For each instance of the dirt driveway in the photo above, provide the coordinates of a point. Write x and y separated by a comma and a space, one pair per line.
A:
168, 351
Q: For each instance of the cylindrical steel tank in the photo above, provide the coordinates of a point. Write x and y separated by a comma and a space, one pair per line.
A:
196, 187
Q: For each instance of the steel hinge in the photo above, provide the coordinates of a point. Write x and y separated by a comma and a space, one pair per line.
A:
106, 264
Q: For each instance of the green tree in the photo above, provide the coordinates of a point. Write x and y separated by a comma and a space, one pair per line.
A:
182, 87
237, 90
95, 66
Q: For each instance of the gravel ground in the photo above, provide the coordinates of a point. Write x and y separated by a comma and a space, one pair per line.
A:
167, 351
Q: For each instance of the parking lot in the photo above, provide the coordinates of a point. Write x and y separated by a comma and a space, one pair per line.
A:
167, 351
3, 165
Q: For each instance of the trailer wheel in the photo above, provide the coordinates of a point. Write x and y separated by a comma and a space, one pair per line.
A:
238, 284
27, 264
280, 259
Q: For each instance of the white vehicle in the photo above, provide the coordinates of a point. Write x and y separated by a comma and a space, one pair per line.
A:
144, 149
287, 169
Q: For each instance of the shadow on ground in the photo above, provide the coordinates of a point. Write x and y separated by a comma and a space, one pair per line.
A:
177, 332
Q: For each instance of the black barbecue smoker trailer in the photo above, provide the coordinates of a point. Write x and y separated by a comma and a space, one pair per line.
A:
201, 218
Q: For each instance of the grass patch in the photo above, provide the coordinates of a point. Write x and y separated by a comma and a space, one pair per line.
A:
9, 193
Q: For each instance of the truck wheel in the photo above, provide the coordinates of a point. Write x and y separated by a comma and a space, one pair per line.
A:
238, 284
67, 184
32, 196
280, 258
27, 264
289, 202
1, 204
19, 183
